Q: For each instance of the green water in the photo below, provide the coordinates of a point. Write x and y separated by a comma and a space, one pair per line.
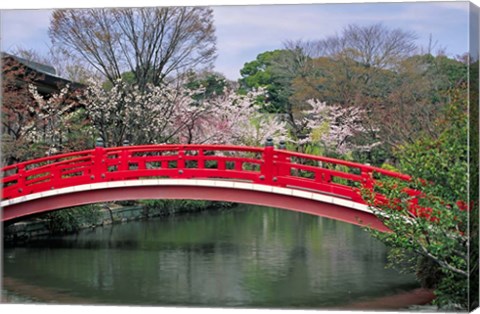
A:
246, 257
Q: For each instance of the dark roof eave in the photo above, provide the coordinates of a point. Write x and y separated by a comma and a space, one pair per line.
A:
47, 78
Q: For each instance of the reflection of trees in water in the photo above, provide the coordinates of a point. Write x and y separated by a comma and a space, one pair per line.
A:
250, 256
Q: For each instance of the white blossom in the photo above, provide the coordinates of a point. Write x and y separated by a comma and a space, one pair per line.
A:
334, 127
171, 114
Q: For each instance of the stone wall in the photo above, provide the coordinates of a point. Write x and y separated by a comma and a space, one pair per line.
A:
38, 228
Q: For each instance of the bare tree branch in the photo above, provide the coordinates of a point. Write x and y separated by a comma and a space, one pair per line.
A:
152, 43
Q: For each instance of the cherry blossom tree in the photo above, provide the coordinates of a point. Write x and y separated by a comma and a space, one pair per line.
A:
334, 127
63, 126
34, 125
126, 113
233, 119
171, 113
18, 110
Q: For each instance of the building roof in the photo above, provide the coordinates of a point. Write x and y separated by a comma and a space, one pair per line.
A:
40, 67
48, 82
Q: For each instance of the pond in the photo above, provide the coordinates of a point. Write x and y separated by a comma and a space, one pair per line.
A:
249, 256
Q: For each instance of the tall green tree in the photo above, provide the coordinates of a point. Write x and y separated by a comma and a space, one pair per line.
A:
474, 181
415, 95
213, 84
433, 226
276, 72
266, 72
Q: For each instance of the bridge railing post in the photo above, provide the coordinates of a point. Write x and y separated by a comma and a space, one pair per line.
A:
99, 165
367, 178
124, 160
181, 161
280, 169
201, 160
21, 179
55, 177
267, 168
124, 156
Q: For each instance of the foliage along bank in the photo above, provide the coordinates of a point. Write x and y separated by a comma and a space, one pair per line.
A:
430, 231
75, 219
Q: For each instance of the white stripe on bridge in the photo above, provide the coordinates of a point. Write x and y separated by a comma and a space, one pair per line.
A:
192, 182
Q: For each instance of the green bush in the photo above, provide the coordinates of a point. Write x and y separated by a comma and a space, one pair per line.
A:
170, 207
72, 219
438, 232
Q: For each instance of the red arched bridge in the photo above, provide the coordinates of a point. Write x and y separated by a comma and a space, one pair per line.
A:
254, 175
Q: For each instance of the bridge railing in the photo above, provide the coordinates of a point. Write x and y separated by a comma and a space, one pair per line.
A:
183, 161
261, 165
328, 175
45, 173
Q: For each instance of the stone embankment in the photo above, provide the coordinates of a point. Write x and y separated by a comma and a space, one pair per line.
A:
97, 215
104, 215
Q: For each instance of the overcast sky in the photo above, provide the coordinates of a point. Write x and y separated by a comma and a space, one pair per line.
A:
245, 31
